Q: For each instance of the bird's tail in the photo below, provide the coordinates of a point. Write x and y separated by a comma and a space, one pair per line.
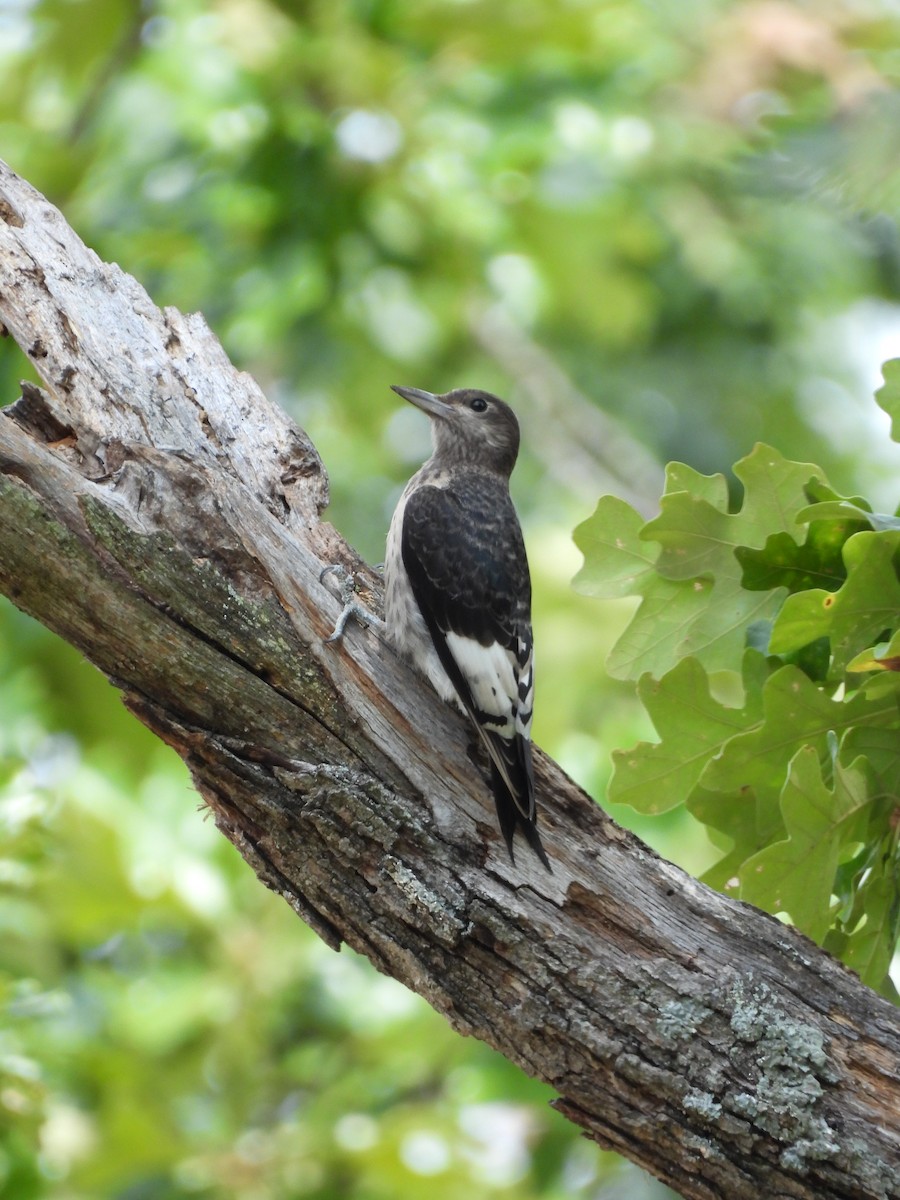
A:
511, 756
510, 816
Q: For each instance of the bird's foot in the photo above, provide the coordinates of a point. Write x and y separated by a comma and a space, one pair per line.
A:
353, 608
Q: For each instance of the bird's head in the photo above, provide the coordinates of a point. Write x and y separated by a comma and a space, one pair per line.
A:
469, 427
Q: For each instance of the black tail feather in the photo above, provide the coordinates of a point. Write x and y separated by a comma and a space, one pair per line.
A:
511, 759
510, 817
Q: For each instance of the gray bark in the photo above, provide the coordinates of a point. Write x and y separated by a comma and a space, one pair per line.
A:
160, 514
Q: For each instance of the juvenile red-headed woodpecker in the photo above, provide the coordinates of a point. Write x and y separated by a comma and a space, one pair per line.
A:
458, 590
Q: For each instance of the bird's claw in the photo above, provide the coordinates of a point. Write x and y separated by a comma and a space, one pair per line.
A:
352, 606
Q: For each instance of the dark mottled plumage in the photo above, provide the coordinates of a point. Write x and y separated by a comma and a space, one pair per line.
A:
458, 592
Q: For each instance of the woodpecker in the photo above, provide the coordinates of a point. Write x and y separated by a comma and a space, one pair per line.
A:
458, 590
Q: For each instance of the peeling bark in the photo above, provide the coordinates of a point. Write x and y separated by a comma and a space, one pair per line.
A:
161, 515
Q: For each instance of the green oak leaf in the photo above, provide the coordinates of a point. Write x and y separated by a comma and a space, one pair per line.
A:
883, 685
693, 602
881, 748
772, 487
796, 712
692, 725
883, 657
847, 879
828, 505
888, 395
616, 562
818, 491
782, 563
844, 510
747, 825
804, 618
796, 875
711, 488
869, 948
884, 831
659, 635
865, 605
699, 536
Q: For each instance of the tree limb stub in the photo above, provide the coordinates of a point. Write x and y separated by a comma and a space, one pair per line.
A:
160, 514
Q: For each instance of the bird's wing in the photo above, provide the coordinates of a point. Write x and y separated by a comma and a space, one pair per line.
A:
463, 552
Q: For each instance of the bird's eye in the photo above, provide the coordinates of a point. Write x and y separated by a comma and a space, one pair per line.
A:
479, 404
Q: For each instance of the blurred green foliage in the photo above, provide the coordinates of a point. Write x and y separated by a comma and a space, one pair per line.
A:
663, 231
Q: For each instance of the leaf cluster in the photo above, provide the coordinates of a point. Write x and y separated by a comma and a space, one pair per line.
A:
766, 647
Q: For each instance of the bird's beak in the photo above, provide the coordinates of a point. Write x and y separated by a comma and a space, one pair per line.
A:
427, 401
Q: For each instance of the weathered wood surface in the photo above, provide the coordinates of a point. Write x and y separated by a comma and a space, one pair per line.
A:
160, 514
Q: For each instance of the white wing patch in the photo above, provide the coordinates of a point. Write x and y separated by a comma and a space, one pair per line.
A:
526, 700
526, 692
496, 684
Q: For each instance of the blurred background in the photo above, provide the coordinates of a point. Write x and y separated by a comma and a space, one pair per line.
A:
661, 231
